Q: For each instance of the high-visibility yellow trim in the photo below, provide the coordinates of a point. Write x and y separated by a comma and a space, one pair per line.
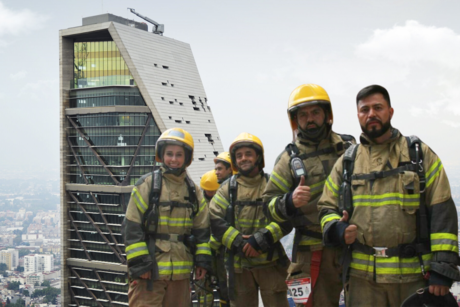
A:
433, 172
444, 248
328, 218
202, 205
317, 187
229, 236
203, 249
136, 250
443, 235
280, 182
310, 241
175, 267
214, 244
175, 222
135, 245
407, 200
272, 209
389, 266
139, 201
332, 186
222, 202
275, 230
249, 223
137, 254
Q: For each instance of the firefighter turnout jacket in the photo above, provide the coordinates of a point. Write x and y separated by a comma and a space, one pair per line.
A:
178, 222
385, 213
249, 220
318, 159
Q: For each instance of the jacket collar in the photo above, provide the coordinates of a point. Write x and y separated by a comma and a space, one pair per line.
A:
365, 140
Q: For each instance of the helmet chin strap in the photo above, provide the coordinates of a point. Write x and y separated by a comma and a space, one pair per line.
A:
316, 135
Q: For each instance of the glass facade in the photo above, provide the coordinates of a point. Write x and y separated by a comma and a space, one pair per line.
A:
99, 64
112, 148
103, 97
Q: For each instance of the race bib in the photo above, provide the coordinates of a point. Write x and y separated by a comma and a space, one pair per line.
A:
299, 289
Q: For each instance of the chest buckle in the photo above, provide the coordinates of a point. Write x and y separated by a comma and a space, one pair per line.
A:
380, 252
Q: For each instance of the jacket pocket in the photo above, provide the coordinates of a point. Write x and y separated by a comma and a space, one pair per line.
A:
409, 192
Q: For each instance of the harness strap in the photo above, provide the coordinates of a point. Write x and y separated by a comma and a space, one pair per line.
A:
249, 203
384, 174
311, 233
175, 204
170, 237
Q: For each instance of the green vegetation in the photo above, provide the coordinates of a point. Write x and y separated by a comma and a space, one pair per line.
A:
46, 283
49, 293
14, 285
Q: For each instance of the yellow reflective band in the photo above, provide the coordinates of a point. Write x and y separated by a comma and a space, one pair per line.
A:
203, 249
444, 248
214, 244
175, 267
136, 250
202, 205
332, 186
229, 236
412, 200
248, 223
280, 182
317, 188
222, 202
328, 218
433, 172
272, 209
275, 230
310, 241
135, 245
444, 242
175, 222
139, 201
443, 235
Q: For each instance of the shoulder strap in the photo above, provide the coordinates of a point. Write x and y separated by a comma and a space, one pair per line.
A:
292, 150
414, 145
233, 188
349, 161
191, 193
155, 190
267, 177
346, 137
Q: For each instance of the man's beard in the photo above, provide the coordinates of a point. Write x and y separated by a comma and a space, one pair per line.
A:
315, 134
376, 133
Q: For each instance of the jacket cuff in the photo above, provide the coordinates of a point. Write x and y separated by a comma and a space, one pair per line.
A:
204, 261
437, 279
290, 208
139, 266
333, 235
253, 242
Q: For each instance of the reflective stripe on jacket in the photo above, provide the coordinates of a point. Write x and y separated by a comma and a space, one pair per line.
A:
385, 210
174, 259
281, 184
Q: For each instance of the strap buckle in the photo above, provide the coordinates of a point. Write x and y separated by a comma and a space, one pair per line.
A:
380, 252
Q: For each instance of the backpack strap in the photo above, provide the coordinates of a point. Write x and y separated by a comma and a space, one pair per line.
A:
192, 194
233, 189
345, 196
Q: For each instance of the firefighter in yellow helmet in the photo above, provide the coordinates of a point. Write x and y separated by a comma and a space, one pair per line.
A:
223, 166
388, 202
203, 287
255, 256
165, 223
294, 188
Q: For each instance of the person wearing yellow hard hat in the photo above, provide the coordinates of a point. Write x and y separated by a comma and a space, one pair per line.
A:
295, 186
166, 222
223, 166
203, 288
256, 258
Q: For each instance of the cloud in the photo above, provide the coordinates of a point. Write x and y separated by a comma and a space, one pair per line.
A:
13, 22
19, 75
413, 43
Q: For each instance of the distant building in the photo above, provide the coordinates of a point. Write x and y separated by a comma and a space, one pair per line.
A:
33, 278
38, 263
10, 257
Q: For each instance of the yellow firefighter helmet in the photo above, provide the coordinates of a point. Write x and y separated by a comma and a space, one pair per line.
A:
209, 182
224, 157
175, 136
304, 95
247, 140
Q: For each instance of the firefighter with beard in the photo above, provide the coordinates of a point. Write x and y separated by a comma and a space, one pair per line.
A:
295, 186
166, 228
256, 259
388, 201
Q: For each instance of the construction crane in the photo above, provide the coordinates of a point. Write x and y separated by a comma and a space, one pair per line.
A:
157, 28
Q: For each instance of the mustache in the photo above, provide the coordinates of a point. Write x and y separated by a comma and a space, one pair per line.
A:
371, 120
312, 123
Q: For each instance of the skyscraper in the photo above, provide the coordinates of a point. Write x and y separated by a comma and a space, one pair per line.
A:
120, 87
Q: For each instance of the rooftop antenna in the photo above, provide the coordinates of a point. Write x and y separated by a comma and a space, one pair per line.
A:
157, 28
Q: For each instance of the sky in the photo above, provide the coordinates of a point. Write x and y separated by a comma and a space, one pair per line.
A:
250, 55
